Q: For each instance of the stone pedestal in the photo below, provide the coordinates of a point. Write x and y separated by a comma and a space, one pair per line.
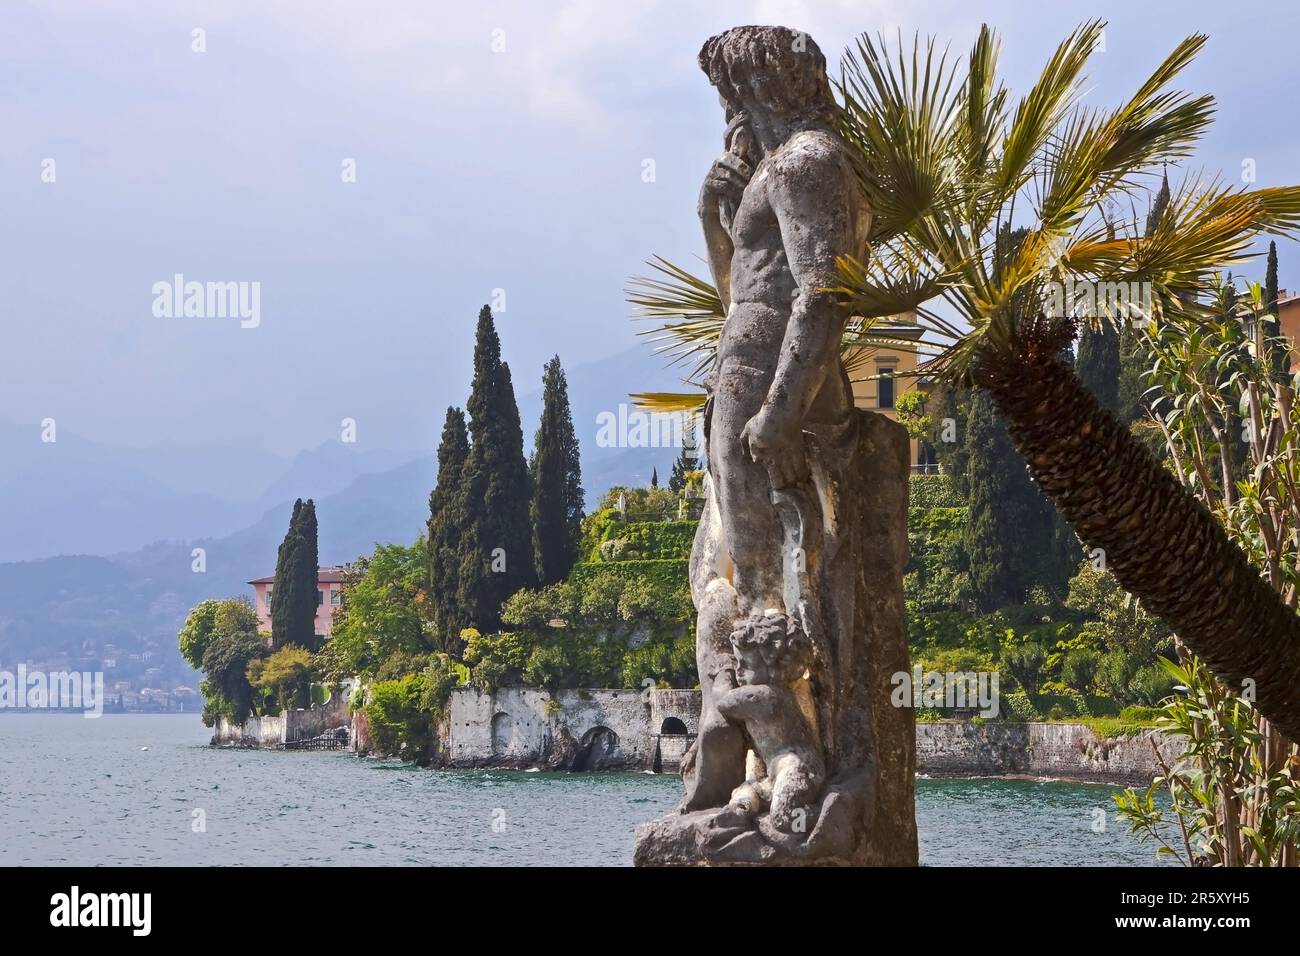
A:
865, 812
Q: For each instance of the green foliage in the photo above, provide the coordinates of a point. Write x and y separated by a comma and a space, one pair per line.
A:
384, 611
404, 713
1079, 669
669, 663
235, 645
495, 659
956, 660
295, 595
196, 633
285, 675
1226, 752
664, 575
687, 462
556, 476
334, 662
597, 630
1017, 706
645, 507
909, 408
1060, 702
643, 504
1129, 403
1141, 715
598, 527
936, 577
1111, 728
933, 491
1024, 664
1116, 620
444, 537
496, 554
652, 540
1276, 346
399, 725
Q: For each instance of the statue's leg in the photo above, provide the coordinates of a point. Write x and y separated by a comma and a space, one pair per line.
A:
715, 764
719, 759
719, 754
751, 527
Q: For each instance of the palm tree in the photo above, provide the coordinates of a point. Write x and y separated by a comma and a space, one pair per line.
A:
949, 168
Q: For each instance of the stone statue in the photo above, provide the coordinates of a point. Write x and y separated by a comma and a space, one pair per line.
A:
796, 571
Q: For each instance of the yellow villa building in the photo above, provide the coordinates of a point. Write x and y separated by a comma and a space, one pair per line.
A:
881, 376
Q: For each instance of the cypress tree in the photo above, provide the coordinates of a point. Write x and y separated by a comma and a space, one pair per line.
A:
307, 569
1008, 533
556, 473
948, 434
677, 476
496, 554
1132, 359
1098, 363
281, 590
295, 594
1098, 358
1276, 347
654, 477
443, 538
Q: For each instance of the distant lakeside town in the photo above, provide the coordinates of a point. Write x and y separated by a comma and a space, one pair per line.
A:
135, 682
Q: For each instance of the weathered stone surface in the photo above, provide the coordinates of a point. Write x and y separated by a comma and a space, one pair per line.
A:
867, 812
796, 572
1068, 751
275, 731
584, 729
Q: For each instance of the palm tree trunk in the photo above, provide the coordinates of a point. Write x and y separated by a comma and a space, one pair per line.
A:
1160, 542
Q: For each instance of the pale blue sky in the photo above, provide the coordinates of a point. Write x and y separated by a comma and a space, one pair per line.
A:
476, 170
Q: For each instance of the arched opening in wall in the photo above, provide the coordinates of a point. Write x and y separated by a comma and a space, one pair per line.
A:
503, 729
673, 726
597, 750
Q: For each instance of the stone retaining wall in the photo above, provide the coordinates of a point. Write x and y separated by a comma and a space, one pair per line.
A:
594, 729
609, 729
272, 732
1070, 751
253, 732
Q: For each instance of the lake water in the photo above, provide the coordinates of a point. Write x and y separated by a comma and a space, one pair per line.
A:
133, 790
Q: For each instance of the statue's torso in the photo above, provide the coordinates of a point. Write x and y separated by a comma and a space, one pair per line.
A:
763, 287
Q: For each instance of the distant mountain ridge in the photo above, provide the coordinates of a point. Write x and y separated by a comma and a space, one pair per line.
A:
129, 596
77, 496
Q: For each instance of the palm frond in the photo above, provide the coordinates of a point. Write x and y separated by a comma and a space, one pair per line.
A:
679, 294
945, 161
901, 124
688, 402
1043, 108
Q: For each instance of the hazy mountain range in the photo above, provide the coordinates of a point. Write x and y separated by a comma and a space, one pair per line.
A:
97, 541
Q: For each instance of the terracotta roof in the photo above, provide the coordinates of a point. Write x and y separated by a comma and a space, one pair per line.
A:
323, 576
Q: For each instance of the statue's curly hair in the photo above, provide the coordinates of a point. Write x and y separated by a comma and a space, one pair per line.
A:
782, 646
781, 68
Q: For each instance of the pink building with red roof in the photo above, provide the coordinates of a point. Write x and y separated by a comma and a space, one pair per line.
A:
329, 596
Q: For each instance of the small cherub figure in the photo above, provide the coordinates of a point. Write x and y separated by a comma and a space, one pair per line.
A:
772, 660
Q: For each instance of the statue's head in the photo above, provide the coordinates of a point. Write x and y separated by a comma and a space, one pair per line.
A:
770, 650
768, 69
